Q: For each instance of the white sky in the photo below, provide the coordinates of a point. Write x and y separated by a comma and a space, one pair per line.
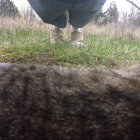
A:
122, 5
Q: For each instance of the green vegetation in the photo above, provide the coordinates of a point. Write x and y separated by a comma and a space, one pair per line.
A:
32, 46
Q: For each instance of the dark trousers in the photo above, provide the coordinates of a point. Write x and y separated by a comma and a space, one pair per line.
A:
53, 11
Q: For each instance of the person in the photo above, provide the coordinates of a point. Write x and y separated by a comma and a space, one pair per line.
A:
54, 12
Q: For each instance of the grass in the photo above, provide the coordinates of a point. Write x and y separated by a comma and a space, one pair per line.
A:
31, 46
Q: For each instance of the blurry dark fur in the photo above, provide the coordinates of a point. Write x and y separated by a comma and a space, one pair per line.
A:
46, 103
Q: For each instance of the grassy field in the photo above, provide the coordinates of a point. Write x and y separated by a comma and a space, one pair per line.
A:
30, 45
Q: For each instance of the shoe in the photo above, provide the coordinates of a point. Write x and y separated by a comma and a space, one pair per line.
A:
77, 38
56, 35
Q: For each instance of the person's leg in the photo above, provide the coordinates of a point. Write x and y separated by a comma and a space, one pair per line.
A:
78, 20
56, 35
52, 12
80, 14
59, 21
76, 36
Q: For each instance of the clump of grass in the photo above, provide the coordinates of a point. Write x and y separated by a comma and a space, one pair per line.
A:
123, 31
21, 45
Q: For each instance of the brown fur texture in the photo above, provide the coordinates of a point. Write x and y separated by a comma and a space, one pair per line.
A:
47, 103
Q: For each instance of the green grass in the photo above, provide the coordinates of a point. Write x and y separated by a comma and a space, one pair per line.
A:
32, 46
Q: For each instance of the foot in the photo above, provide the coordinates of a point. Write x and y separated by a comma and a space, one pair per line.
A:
77, 37
56, 35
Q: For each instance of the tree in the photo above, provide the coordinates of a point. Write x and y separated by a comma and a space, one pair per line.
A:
8, 9
112, 13
134, 4
134, 16
134, 19
101, 18
137, 19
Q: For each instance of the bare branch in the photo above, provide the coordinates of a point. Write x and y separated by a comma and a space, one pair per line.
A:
133, 4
